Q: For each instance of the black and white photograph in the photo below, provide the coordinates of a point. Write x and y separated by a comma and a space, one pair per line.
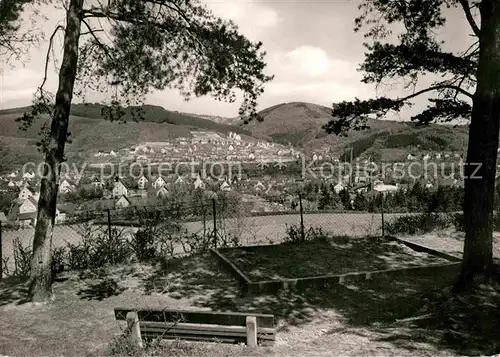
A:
249, 178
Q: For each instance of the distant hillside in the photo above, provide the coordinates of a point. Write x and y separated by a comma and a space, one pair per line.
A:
299, 124
386, 145
216, 119
89, 132
157, 114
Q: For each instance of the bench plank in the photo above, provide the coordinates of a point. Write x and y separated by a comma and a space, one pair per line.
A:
186, 337
197, 317
199, 329
152, 336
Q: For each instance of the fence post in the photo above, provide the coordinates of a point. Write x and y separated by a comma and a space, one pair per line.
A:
382, 211
1, 253
109, 224
204, 220
302, 233
215, 222
134, 329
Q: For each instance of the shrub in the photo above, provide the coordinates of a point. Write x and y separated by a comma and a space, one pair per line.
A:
22, 260
294, 234
99, 249
421, 223
143, 244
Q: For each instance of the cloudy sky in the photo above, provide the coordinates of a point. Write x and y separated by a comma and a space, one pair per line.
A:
311, 49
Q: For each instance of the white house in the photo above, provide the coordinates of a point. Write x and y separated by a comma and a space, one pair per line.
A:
24, 194
338, 187
65, 187
97, 184
315, 157
122, 202
25, 212
199, 184
142, 182
11, 184
230, 148
142, 159
225, 186
112, 153
162, 192
119, 189
259, 186
28, 175
28, 205
159, 182
179, 180
251, 156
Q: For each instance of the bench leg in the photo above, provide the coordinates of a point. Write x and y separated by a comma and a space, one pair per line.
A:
251, 331
134, 329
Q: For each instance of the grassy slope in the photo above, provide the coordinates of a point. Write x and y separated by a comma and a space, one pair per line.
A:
295, 123
300, 124
90, 133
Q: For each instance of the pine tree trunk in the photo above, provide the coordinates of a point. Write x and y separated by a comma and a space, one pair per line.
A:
482, 154
41, 275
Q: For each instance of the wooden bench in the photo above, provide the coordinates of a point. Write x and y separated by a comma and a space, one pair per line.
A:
229, 327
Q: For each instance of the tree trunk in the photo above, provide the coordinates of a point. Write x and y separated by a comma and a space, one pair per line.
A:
482, 154
41, 276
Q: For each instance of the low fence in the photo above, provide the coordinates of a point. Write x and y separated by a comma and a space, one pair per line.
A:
221, 221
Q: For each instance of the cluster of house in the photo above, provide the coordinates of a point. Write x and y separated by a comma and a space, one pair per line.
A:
24, 208
434, 156
123, 192
203, 146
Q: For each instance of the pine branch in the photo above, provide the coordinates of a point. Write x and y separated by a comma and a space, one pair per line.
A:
468, 16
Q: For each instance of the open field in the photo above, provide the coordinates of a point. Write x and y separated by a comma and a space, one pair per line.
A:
272, 228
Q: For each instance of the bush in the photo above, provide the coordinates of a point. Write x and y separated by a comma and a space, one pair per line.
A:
294, 234
143, 244
421, 223
99, 249
22, 260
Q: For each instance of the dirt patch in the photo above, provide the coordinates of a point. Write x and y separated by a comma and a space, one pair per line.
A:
325, 257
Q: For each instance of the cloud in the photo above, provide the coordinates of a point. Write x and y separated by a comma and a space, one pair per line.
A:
308, 73
312, 61
323, 92
253, 18
20, 84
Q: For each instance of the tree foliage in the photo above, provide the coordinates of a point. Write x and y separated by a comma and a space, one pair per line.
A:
15, 40
172, 44
417, 53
